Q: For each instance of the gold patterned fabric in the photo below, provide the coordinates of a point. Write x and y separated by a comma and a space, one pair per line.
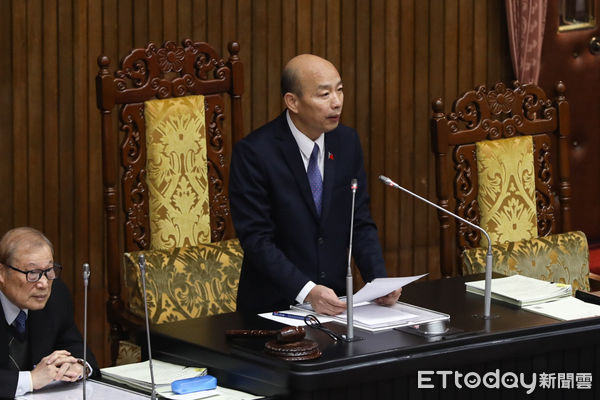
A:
185, 282
506, 194
177, 174
128, 353
560, 258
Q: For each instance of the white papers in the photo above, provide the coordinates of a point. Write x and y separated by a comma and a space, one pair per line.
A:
374, 318
375, 315
166, 392
566, 309
382, 286
138, 374
74, 391
521, 290
102, 391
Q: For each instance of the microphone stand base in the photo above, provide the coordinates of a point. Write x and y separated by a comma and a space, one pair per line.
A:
354, 339
481, 316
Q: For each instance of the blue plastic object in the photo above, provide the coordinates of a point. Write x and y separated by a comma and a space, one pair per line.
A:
196, 384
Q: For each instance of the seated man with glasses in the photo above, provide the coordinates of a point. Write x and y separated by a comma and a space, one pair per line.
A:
39, 342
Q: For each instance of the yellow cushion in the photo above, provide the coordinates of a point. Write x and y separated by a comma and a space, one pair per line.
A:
556, 258
186, 282
506, 196
177, 175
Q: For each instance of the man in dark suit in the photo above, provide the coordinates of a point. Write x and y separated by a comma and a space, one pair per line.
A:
39, 342
291, 199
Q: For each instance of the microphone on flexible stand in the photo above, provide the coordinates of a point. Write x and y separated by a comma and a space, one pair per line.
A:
488, 258
86, 279
349, 285
142, 264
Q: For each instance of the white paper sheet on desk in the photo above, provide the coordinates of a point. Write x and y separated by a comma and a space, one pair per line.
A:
373, 315
102, 391
382, 286
74, 391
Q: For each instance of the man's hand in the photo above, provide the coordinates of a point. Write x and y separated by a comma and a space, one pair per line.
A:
325, 301
59, 365
390, 298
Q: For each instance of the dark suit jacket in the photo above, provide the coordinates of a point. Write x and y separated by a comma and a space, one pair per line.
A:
49, 329
285, 243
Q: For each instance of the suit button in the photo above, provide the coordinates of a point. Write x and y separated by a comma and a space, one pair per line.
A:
320, 240
322, 275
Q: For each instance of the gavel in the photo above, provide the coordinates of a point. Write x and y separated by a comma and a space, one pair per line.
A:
284, 335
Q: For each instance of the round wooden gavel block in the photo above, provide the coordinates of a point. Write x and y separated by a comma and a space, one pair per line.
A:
293, 351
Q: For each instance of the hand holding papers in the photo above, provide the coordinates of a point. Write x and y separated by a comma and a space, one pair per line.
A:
380, 287
373, 317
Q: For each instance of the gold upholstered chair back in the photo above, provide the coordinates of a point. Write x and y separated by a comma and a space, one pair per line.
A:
502, 163
166, 157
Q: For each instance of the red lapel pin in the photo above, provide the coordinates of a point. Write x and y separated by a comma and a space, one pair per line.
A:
330, 156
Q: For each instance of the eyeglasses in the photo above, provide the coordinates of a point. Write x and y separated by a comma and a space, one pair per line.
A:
313, 322
36, 274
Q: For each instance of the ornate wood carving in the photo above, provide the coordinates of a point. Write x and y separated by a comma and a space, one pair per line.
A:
158, 72
490, 114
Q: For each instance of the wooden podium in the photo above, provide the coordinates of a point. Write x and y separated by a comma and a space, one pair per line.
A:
386, 365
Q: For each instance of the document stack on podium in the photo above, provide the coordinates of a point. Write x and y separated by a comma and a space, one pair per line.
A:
137, 376
373, 317
521, 290
553, 300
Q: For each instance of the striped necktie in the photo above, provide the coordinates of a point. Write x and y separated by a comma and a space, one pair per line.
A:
314, 178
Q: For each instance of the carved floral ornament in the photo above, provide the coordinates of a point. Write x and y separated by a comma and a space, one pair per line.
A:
497, 111
151, 67
171, 58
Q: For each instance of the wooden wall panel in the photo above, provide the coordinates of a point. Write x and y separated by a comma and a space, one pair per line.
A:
394, 58
6, 119
396, 199
392, 137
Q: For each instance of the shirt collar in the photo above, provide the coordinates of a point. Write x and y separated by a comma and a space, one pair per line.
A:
10, 310
305, 144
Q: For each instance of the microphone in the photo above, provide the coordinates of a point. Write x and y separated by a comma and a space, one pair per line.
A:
142, 264
488, 259
349, 285
86, 279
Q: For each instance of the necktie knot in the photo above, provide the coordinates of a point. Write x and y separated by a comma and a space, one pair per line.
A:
314, 178
20, 321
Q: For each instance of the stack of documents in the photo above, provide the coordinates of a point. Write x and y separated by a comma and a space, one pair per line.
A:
566, 309
371, 316
521, 290
138, 375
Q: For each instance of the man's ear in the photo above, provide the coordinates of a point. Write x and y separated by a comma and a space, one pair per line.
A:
291, 102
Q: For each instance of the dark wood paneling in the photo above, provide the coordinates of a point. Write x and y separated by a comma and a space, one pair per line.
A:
273, 98
6, 118
394, 57
19, 114
404, 177
391, 165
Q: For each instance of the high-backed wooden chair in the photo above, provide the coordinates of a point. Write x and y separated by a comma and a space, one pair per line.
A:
181, 103
508, 150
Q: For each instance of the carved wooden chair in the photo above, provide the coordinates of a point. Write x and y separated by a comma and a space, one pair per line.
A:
508, 150
166, 162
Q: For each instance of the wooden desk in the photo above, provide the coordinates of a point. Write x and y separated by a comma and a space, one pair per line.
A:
384, 365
